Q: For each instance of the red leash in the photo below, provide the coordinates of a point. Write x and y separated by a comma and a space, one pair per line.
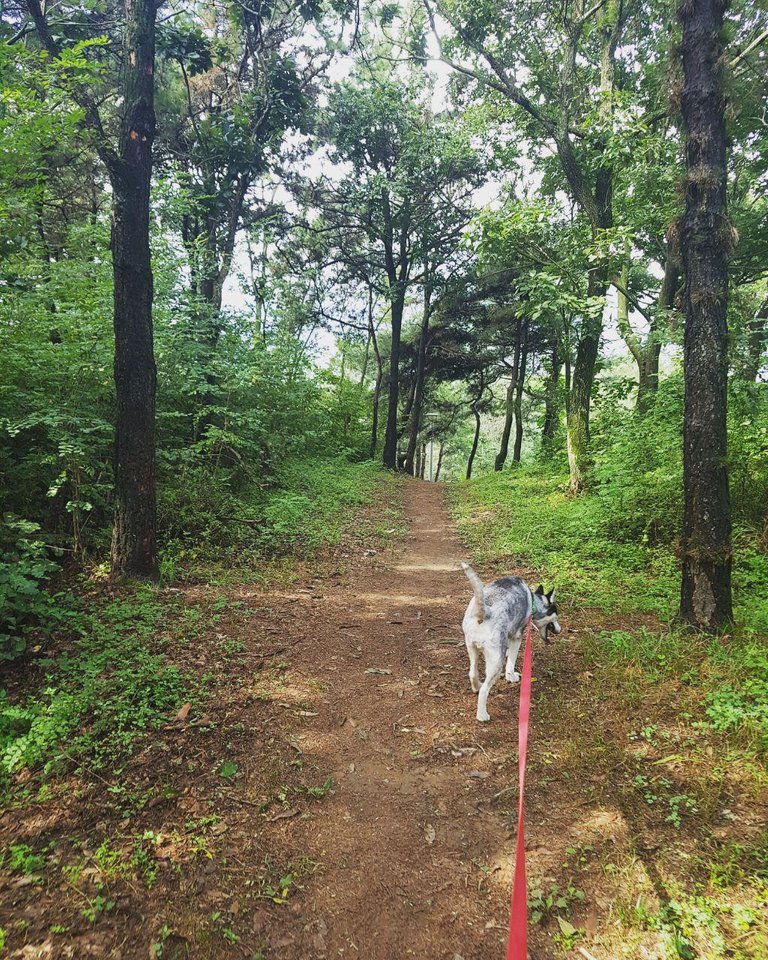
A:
517, 947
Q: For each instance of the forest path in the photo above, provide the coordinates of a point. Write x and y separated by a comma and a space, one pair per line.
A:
415, 839
329, 793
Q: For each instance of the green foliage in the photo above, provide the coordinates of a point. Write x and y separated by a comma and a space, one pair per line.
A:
24, 570
109, 687
570, 540
20, 858
313, 506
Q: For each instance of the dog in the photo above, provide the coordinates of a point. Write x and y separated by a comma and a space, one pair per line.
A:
496, 613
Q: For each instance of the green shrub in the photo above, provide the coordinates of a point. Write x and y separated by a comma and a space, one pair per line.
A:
24, 569
111, 687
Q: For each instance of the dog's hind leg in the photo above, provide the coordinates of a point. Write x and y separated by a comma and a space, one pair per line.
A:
512, 652
474, 672
494, 663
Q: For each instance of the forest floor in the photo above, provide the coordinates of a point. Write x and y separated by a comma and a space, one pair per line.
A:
334, 796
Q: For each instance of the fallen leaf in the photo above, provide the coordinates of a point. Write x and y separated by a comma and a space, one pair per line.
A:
567, 929
478, 774
429, 834
285, 815
184, 712
379, 671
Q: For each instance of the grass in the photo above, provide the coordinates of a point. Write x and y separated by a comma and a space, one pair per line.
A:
683, 756
582, 544
525, 518
103, 677
216, 536
104, 683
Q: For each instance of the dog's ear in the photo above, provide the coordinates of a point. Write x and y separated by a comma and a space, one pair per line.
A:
551, 595
540, 590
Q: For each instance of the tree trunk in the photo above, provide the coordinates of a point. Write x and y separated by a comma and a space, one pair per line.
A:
417, 462
476, 438
550, 398
582, 377
501, 456
646, 351
517, 453
439, 462
705, 238
423, 470
475, 441
421, 365
379, 376
134, 548
134, 551
390, 433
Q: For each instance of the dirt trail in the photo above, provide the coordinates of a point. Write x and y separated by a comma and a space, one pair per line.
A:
415, 842
339, 749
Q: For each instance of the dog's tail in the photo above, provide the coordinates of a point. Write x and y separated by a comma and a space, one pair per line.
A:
477, 586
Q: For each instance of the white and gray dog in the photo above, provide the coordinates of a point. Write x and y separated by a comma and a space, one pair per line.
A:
496, 615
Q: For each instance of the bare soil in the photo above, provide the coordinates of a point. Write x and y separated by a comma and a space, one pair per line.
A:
338, 797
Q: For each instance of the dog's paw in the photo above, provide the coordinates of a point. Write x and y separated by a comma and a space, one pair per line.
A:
513, 677
475, 684
483, 717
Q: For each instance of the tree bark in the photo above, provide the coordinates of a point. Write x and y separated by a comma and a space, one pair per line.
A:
582, 378
390, 433
421, 366
379, 376
517, 452
134, 545
705, 239
398, 269
550, 398
439, 462
476, 439
134, 551
501, 456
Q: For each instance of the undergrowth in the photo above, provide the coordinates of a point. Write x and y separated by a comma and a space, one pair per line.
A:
99, 676
104, 682
303, 508
526, 518
697, 756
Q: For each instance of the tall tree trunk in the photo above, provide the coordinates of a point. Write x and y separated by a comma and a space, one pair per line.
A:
421, 366
476, 439
509, 414
705, 238
517, 453
646, 351
439, 462
390, 433
134, 547
582, 378
417, 462
550, 397
398, 270
379, 376
134, 551
598, 206
423, 470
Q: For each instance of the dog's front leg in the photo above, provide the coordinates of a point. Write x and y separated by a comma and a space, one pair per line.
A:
512, 652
